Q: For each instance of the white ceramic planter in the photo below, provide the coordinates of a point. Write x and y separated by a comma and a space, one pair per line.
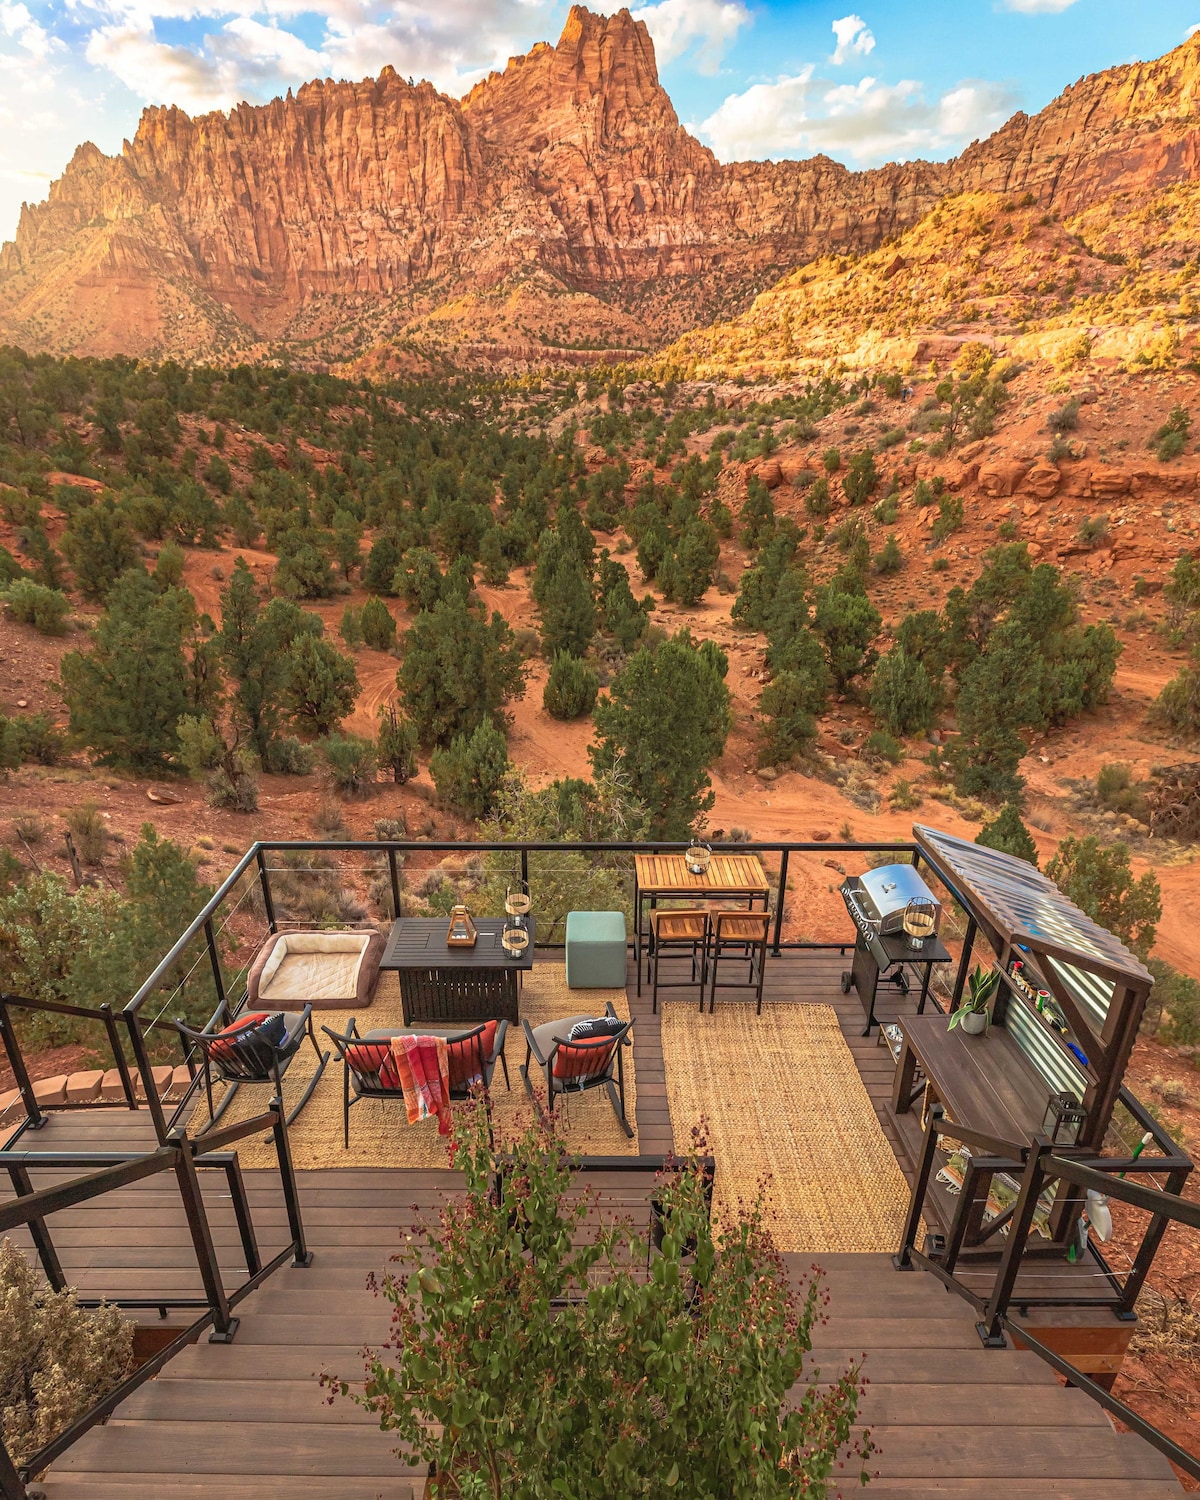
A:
974, 1023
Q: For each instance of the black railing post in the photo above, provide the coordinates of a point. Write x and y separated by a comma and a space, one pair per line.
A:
902, 1260
11, 1487
991, 1326
301, 1254
224, 1323
16, 1062
241, 1212
394, 872
264, 881
214, 958
524, 864
964, 963
1148, 1249
779, 902
118, 1052
38, 1232
141, 1060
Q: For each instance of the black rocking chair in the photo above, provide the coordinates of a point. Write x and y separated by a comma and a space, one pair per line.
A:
573, 1066
246, 1050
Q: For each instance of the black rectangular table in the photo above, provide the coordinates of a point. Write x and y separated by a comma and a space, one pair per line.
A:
439, 983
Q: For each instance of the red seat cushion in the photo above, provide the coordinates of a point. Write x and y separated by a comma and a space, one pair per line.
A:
374, 1060
463, 1055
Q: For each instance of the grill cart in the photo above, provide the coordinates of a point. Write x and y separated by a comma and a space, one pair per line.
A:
896, 917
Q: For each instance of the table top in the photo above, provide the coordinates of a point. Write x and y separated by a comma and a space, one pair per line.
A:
727, 875
420, 943
984, 1081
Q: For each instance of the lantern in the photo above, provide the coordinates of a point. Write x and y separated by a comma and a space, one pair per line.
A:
462, 932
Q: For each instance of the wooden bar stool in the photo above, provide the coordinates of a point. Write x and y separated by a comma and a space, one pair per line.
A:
740, 937
678, 932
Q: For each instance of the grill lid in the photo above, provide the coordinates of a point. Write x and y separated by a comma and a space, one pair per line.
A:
889, 889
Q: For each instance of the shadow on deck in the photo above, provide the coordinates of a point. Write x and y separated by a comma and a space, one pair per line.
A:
248, 1420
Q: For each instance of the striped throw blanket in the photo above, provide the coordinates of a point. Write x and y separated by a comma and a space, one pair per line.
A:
424, 1067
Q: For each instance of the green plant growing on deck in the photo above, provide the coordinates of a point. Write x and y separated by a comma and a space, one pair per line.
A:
56, 1359
981, 987
527, 1359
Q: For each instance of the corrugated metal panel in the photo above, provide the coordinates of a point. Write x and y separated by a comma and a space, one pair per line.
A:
1092, 994
1040, 1048
1029, 905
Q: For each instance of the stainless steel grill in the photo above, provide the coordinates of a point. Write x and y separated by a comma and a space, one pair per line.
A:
876, 899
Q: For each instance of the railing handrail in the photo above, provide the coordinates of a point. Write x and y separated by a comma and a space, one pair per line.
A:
12, 1047
261, 847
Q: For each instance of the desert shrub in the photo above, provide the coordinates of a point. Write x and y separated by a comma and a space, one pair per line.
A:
880, 745
860, 478
788, 725
322, 684
848, 623
288, 756
832, 460
1065, 418
757, 519
1059, 450
377, 625
396, 746
1177, 707
169, 566
949, 517
571, 688
903, 698
1117, 790
1097, 877
903, 796
457, 669
351, 761
57, 1359
33, 604
817, 500
889, 558
1169, 441
350, 629
34, 738
1174, 1005
886, 511
1008, 834
100, 545
470, 772
88, 828
1093, 530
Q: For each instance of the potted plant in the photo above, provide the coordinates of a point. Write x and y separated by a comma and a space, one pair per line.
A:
972, 1014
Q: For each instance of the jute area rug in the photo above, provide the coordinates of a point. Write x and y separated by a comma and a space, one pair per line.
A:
787, 1117
380, 1135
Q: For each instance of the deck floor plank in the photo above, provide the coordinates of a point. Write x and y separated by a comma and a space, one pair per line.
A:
951, 1419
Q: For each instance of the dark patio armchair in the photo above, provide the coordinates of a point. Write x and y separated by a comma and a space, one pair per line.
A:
253, 1048
575, 1064
369, 1065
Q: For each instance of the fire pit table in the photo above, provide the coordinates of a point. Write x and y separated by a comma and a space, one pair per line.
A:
440, 983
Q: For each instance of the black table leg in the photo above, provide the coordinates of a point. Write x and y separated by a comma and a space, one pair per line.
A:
924, 989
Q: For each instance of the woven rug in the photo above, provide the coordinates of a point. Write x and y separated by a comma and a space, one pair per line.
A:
380, 1135
785, 1114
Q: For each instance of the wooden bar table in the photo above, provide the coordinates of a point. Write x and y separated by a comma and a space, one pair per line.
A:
658, 877
439, 983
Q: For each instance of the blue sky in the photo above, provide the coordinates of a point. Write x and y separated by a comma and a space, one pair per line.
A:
867, 82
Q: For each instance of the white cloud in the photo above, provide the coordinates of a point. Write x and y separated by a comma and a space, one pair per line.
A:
1039, 7
1191, 31
16, 22
865, 122
854, 38
700, 29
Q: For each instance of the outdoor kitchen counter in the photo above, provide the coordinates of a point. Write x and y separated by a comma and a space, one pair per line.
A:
984, 1082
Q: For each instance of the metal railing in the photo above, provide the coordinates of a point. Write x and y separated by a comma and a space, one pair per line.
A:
34, 1111
111, 1171
392, 853
1040, 1163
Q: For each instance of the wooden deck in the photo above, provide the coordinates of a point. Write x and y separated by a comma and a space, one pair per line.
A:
247, 1420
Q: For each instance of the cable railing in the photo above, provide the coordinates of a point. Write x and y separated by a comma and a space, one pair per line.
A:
387, 858
108, 1172
1040, 1165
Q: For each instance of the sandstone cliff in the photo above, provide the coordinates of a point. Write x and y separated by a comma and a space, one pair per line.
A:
351, 213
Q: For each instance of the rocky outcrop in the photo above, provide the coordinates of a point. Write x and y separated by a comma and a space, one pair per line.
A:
374, 205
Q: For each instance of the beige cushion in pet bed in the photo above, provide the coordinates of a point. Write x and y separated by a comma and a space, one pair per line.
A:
327, 970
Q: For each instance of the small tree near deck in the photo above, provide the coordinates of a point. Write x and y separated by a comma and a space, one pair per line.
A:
528, 1359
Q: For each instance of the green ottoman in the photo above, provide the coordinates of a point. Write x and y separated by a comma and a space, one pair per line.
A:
595, 950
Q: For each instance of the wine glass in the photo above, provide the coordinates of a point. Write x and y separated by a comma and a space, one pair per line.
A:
920, 918
515, 937
516, 899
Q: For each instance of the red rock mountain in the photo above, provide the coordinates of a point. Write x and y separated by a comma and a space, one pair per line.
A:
560, 203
